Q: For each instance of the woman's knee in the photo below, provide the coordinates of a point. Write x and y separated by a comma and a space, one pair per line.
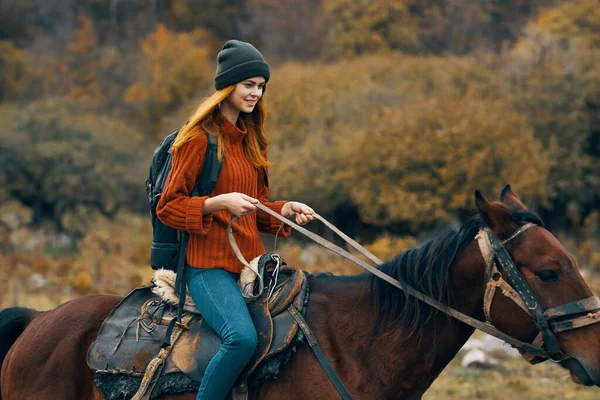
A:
243, 341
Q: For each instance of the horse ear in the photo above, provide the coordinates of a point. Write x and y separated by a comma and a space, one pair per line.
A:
510, 199
495, 215
483, 208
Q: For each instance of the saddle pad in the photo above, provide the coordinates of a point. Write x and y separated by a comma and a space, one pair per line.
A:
122, 344
128, 341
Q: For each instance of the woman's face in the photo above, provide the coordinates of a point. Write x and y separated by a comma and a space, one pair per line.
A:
246, 94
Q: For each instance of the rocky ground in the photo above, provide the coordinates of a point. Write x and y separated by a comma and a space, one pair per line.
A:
486, 368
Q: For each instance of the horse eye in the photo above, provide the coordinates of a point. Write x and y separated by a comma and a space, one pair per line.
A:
547, 275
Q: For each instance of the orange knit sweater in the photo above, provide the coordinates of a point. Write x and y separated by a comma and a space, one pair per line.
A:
208, 246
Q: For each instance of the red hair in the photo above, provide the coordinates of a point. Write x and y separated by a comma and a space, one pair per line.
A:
206, 116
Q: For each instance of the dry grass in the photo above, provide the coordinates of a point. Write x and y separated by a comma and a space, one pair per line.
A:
69, 278
519, 380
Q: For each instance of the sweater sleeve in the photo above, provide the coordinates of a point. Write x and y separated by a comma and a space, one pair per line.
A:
265, 222
176, 207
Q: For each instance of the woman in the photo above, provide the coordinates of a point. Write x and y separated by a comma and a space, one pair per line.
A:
235, 114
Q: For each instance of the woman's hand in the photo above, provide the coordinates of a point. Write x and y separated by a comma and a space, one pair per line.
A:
236, 203
303, 212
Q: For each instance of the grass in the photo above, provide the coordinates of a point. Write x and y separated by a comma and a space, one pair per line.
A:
518, 380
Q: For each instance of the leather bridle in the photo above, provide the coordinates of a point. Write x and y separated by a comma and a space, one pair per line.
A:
549, 322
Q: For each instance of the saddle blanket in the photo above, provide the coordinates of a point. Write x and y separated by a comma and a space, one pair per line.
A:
133, 333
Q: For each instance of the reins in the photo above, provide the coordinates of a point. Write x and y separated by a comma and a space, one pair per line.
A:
496, 254
475, 323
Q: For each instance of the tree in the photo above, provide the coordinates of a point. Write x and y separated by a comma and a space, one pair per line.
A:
420, 162
58, 158
578, 20
13, 71
553, 75
367, 26
82, 61
404, 139
284, 29
95, 74
174, 68
220, 17
424, 26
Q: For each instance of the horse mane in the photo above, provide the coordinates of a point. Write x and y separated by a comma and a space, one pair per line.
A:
426, 269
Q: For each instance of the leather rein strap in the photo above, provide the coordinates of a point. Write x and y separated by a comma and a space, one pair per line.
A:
314, 345
543, 320
475, 323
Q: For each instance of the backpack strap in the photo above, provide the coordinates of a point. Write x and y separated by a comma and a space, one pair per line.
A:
210, 170
180, 288
204, 186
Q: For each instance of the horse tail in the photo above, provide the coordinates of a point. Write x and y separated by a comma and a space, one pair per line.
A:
13, 322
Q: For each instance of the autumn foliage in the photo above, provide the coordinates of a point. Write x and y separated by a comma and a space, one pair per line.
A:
383, 115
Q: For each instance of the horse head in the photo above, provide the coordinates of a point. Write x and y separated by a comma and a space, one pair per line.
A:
556, 306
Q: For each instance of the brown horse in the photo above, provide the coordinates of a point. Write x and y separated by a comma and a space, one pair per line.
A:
381, 343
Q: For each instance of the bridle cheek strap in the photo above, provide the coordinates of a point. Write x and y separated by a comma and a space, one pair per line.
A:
497, 282
493, 278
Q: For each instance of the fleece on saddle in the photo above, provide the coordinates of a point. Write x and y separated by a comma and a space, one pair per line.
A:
132, 335
164, 286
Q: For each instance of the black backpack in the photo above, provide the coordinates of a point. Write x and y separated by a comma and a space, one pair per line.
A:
169, 245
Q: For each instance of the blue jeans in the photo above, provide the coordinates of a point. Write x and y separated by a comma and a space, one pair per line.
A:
219, 300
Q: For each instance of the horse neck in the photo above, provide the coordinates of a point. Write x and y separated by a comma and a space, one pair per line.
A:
390, 364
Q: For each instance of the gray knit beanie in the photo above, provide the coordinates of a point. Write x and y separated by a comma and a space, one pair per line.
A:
237, 61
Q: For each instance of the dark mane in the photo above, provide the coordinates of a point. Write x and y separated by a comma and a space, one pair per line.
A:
424, 268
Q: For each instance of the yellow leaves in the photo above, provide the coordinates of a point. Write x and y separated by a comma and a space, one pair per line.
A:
175, 66
386, 246
553, 76
156, 43
366, 26
82, 283
405, 139
81, 62
116, 253
136, 94
577, 21
13, 70
85, 38
574, 18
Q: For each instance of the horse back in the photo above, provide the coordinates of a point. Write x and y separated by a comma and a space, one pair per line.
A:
53, 346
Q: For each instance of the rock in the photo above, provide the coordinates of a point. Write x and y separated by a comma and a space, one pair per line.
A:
473, 344
310, 254
37, 280
476, 358
488, 344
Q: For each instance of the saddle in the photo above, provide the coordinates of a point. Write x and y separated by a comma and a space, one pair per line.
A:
133, 335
